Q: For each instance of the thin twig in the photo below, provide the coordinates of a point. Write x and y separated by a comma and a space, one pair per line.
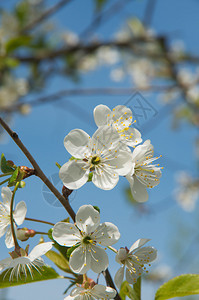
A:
39, 221
149, 12
38, 171
87, 92
45, 15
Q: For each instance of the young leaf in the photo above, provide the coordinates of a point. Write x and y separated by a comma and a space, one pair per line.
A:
59, 260
180, 286
45, 273
5, 168
133, 293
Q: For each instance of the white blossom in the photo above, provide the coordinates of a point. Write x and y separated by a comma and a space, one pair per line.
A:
18, 215
24, 263
100, 154
134, 260
97, 292
143, 174
86, 234
120, 119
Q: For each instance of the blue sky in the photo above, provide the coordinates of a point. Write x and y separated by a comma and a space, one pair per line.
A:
44, 129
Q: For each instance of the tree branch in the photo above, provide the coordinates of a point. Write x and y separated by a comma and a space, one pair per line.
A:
45, 15
109, 282
38, 171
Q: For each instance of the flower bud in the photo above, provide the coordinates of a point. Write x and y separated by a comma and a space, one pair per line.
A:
23, 234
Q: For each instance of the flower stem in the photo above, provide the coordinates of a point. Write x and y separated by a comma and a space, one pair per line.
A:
113, 249
17, 247
40, 221
40, 232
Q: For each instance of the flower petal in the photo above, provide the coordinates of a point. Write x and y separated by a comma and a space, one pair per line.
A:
87, 218
105, 138
80, 260
5, 263
132, 277
106, 178
76, 291
40, 250
20, 212
138, 190
121, 255
100, 291
3, 227
132, 137
6, 195
106, 234
121, 117
99, 259
9, 239
77, 143
74, 174
119, 277
101, 113
121, 162
146, 254
66, 234
139, 243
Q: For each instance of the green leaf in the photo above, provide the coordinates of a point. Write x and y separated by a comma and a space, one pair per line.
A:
5, 168
17, 42
11, 62
133, 293
46, 273
97, 208
59, 260
14, 176
180, 286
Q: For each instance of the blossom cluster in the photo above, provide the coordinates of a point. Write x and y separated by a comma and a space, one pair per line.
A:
114, 150
107, 154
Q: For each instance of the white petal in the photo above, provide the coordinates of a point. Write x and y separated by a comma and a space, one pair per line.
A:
68, 298
6, 194
9, 239
139, 243
121, 117
101, 113
66, 234
77, 143
40, 250
99, 259
74, 174
87, 218
121, 255
103, 292
138, 190
105, 178
5, 263
119, 277
146, 253
121, 161
76, 291
132, 277
131, 137
80, 260
106, 234
20, 212
105, 138
3, 227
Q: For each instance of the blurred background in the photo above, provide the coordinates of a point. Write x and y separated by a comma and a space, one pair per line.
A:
58, 60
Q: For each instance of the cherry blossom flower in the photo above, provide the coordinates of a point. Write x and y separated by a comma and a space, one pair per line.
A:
24, 263
143, 174
134, 260
86, 234
18, 215
100, 154
97, 292
121, 119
